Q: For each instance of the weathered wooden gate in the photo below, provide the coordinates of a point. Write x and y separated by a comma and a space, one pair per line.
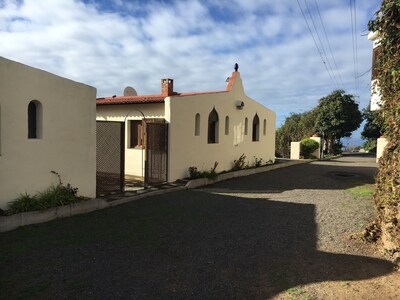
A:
156, 153
109, 157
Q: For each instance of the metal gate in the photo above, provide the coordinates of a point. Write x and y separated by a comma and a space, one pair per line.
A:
156, 153
109, 157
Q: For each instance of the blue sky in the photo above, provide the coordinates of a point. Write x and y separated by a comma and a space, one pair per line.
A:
116, 43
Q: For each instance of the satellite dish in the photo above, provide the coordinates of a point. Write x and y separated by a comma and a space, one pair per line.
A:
130, 91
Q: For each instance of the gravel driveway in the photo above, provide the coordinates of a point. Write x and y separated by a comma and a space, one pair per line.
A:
247, 238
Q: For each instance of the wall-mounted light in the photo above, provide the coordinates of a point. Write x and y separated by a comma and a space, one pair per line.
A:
239, 104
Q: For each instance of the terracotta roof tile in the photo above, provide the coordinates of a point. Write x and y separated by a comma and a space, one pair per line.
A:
157, 98
130, 100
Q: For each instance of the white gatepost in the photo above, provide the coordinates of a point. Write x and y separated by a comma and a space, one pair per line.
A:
295, 150
317, 153
380, 146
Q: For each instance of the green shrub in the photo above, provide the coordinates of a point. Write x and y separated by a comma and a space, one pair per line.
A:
240, 163
194, 173
23, 203
58, 195
212, 174
307, 147
55, 195
257, 162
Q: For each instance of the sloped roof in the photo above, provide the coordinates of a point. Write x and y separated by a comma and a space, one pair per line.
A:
130, 99
115, 100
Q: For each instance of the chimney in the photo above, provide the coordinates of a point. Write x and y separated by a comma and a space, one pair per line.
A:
167, 87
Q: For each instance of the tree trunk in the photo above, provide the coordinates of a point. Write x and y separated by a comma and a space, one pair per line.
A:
329, 144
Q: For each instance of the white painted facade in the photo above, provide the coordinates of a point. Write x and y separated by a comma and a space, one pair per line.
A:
189, 146
64, 141
375, 100
295, 150
380, 147
134, 157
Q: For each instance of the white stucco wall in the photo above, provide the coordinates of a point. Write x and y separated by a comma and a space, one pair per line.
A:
375, 100
67, 144
380, 147
317, 153
295, 150
134, 158
186, 149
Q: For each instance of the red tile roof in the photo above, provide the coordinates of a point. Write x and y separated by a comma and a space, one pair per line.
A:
130, 99
156, 98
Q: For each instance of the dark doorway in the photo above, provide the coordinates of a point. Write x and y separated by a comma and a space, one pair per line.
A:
109, 157
156, 163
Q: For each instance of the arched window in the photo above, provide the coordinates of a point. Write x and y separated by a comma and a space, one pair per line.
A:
34, 120
246, 126
197, 125
265, 127
256, 129
213, 127
226, 125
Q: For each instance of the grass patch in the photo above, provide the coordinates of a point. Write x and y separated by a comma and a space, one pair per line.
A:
361, 191
345, 284
298, 293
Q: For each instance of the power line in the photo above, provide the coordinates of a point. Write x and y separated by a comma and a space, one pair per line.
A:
366, 72
329, 44
322, 45
315, 43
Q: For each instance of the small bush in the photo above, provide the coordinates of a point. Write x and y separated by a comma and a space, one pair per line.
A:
240, 163
23, 203
55, 195
194, 173
212, 174
307, 147
257, 162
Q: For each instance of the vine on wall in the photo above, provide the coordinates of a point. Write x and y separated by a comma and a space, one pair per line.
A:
387, 189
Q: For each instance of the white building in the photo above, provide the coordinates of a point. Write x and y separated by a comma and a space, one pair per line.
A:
202, 128
375, 101
47, 123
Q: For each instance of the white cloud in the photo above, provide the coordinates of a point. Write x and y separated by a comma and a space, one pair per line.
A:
111, 44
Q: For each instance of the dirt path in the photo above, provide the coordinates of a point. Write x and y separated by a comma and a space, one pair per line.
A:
282, 234
339, 214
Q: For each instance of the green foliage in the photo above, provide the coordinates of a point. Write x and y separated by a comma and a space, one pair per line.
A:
240, 163
337, 148
23, 203
365, 190
55, 195
337, 117
307, 147
194, 173
370, 145
373, 126
295, 128
212, 174
257, 162
387, 192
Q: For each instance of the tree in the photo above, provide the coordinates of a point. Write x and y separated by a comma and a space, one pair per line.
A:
387, 188
337, 116
296, 127
373, 126
372, 129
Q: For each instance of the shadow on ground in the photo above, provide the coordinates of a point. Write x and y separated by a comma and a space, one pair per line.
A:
331, 175
183, 245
